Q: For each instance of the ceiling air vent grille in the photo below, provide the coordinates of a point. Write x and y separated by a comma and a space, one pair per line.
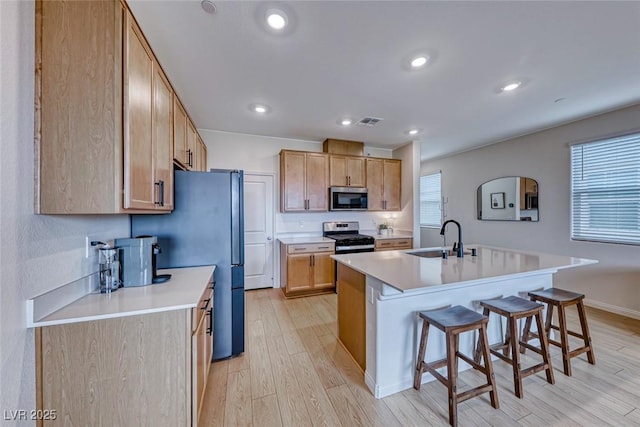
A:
369, 121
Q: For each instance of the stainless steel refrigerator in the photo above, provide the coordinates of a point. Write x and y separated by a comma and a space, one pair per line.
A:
207, 227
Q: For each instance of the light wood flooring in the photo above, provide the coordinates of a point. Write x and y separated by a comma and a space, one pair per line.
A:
294, 373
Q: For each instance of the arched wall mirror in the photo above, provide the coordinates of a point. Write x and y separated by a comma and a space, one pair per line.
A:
511, 198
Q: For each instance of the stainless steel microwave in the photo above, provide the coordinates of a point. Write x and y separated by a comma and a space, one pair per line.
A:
348, 199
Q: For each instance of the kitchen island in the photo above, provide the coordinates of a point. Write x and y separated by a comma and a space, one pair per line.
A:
380, 293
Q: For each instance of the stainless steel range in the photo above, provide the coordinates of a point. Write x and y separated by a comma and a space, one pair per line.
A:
347, 237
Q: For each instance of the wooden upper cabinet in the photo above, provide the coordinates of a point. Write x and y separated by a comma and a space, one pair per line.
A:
375, 184
304, 181
292, 177
346, 171
201, 155
180, 133
384, 178
392, 185
103, 113
78, 116
163, 140
138, 119
317, 182
192, 136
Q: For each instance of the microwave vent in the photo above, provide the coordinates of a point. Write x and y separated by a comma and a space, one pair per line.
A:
369, 121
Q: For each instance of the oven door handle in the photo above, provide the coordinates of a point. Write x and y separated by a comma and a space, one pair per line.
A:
352, 248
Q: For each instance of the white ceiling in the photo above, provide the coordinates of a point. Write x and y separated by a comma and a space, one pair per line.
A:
347, 58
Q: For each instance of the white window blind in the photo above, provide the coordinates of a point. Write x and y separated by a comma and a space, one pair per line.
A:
605, 190
430, 200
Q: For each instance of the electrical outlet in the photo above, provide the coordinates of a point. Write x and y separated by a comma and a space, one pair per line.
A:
87, 246
92, 251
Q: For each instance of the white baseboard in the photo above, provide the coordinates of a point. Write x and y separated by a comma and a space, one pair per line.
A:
622, 311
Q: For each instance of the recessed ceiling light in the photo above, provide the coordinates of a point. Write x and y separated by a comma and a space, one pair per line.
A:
413, 131
276, 19
511, 86
346, 122
419, 61
208, 6
260, 108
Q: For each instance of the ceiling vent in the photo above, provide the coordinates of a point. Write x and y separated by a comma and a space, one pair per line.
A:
369, 121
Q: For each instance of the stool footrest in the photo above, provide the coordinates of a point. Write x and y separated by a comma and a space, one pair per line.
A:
533, 370
501, 356
530, 347
468, 394
578, 351
471, 362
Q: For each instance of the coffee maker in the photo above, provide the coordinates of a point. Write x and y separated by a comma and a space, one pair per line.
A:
138, 261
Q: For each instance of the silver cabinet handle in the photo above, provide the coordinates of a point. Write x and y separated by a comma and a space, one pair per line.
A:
269, 238
299, 249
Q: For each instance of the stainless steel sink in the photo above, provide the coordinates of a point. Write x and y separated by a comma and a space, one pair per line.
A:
435, 254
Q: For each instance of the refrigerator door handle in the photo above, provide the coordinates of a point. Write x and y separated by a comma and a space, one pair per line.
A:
237, 218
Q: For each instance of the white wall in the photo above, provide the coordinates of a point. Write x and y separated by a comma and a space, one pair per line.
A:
409, 218
37, 253
614, 283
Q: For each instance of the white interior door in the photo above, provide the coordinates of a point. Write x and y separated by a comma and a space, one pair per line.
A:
258, 231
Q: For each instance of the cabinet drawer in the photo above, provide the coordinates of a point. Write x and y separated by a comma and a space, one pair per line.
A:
392, 244
310, 248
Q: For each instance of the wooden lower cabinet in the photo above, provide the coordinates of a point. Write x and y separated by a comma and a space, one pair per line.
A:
148, 369
394, 244
307, 268
352, 313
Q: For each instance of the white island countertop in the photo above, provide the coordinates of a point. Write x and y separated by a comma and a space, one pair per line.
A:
409, 273
182, 291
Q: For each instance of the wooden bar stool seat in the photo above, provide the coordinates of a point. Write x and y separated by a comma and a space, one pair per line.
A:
515, 308
453, 321
560, 298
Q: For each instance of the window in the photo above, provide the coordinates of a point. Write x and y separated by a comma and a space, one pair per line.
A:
605, 190
430, 201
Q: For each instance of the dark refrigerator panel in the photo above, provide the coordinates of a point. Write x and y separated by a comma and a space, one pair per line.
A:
204, 228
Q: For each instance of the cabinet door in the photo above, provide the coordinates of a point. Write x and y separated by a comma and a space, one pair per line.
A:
338, 171
162, 140
298, 272
375, 179
392, 185
356, 172
198, 366
201, 157
179, 132
292, 181
138, 97
191, 144
323, 271
317, 181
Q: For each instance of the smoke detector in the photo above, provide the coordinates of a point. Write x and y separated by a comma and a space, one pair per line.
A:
369, 121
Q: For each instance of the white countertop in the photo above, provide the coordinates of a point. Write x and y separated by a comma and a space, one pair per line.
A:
305, 240
182, 291
407, 273
394, 235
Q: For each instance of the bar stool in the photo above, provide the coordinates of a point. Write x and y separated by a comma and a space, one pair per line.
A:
561, 299
453, 321
514, 308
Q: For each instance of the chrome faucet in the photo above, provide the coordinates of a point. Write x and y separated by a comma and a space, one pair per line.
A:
459, 249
